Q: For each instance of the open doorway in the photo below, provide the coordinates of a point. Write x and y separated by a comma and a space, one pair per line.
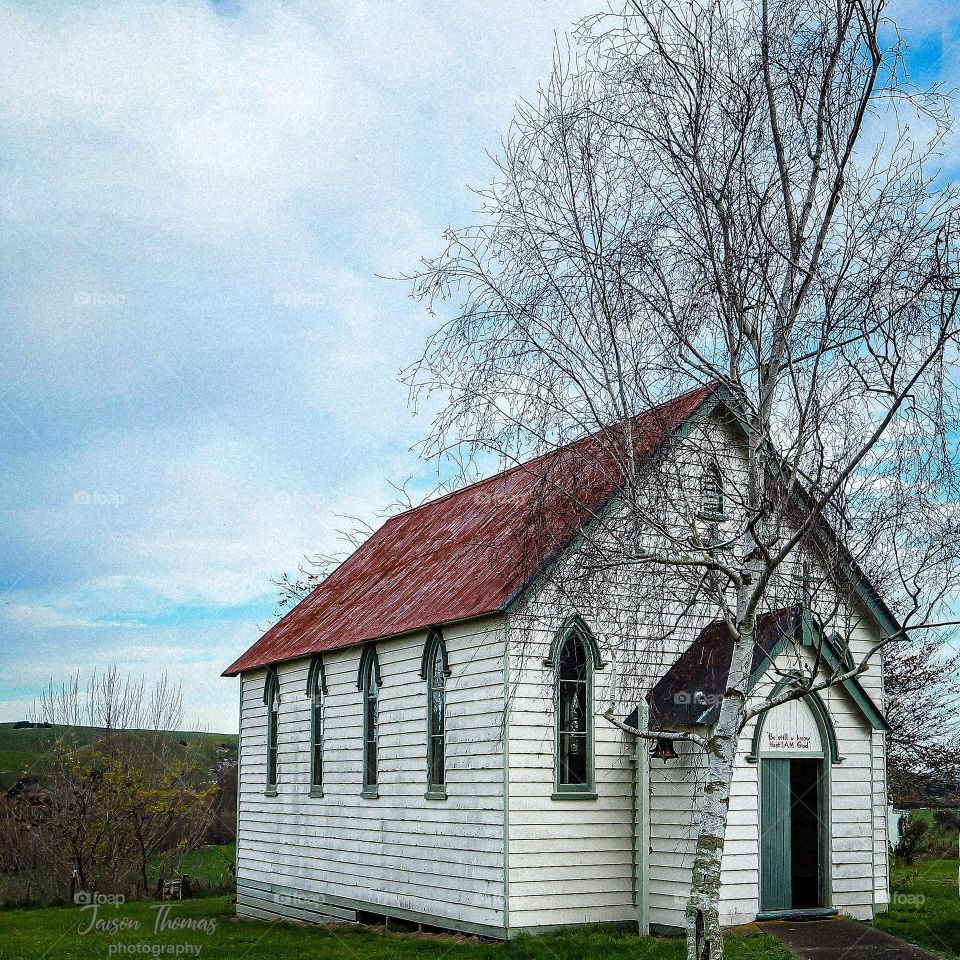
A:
792, 832
805, 834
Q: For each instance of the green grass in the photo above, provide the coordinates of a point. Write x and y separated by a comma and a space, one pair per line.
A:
56, 932
210, 864
207, 867
24, 752
925, 906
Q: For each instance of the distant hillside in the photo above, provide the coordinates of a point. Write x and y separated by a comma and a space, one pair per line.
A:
22, 752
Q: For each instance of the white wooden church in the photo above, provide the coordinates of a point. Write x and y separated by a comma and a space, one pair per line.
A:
404, 755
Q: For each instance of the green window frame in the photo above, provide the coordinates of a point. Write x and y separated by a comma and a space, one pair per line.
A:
574, 657
369, 682
271, 699
435, 669
316, 692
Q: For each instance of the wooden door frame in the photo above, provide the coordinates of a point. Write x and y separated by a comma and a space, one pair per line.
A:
824, 839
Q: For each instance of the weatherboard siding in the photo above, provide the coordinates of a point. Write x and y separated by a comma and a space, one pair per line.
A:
563, 852
574, 861
570, 861
852, 800
565, 861
400, 854
857, 880
673, 790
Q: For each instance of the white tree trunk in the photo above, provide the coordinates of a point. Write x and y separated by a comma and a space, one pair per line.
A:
704, 939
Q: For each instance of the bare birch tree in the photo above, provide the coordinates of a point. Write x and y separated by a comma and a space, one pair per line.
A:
744, 194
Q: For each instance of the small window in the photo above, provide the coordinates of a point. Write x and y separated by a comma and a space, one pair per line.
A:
436, 676
271, 697
370, 685
316, 691
574, 716
711, 491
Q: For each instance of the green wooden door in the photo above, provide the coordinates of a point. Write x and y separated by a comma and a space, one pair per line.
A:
775, 867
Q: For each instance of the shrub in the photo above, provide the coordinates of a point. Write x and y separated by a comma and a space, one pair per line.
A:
913, 833
948, 820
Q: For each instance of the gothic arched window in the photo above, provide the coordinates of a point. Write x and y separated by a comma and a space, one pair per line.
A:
316, 691
711, 491
435, 672
574, 715
271, 697
370, 686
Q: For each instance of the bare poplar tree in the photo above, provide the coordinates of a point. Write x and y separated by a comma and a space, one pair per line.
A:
745, 196
111, 701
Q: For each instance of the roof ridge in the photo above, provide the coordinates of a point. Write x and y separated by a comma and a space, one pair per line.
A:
706, 388
380, 589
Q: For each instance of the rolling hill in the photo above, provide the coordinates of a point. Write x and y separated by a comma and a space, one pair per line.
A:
23, 751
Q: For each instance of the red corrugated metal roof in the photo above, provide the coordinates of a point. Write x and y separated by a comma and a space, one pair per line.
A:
465, 554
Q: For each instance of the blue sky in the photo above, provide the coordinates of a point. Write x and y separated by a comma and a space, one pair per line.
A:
199, 359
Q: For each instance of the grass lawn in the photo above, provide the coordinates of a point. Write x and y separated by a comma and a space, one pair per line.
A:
925, 906
210, 865
209, 924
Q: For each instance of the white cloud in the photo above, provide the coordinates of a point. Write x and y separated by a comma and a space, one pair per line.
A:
199, 360
47, 617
